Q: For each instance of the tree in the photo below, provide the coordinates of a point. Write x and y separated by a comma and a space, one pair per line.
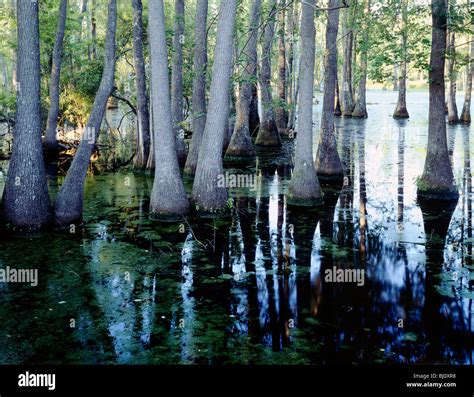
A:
328, 163
280, 112
360, 108
437, 180
304, 188
208, 194
452, 72
50, 140
241, 145
347, 102
268, 134
466, 109
143, 117
68, 204
26, 204
168, 197
401, 109
177, 108
199, 85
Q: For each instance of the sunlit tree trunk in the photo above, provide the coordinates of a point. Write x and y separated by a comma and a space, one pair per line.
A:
437, 180
281, 113
143, 118
466, 109
209, 196
452, 75
69, 202
199, 85
360, 109
177, 107
401, 109
50, 141
26, 204
268, 134
241, 145
168, 198
304, 188
347, 102
328, 163
291, 59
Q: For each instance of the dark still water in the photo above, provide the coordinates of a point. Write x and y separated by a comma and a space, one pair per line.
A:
372, 276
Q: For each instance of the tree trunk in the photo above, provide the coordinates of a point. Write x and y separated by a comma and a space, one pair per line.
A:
68, 205
360, 109
337, 101
93, 50
241, 145
168, 198
177, 80
150, 165
452, 74
199, 85
254, 118
466, 109
304, 186
347, 46
268, 134
209, 195
328, 163
291, 60
401, 109
143, 117
26, 204
281, 112
437, 180
50, 140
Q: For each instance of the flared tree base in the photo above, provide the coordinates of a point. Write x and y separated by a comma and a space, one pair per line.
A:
401, 113
427, 190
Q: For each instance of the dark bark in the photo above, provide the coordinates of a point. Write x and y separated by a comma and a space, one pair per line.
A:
241, 145
26, 204
143, 117
466, 109
208, 196
254, 118
337, 101
168, 197
437, 180
281, 114
304, 188
328, 163
50, 140
69, 202
268, 134
199, 85
177, 103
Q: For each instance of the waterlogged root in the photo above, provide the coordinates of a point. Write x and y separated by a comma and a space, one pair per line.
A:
426, 190
331, 178
401, 114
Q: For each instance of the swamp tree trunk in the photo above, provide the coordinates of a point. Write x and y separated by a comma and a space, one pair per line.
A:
401, 109
328, 163
168, 197
437, 180
177, 103
199, 85
50, 141
304, 188
143, 118
26, 204
347, 102
360, 109
268, 134
241, 145
466, 109
209, 196
452, 75
281, 112
69, 202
